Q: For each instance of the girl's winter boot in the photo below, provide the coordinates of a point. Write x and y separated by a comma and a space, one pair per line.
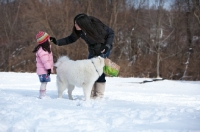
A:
42, 94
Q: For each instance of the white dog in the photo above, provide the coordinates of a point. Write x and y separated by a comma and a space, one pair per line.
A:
80, 73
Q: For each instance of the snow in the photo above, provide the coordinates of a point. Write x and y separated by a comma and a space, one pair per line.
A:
161, 106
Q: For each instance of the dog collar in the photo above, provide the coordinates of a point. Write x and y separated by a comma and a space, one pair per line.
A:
95, 68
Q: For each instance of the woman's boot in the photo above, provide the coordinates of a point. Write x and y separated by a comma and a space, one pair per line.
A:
93, 92
100, 89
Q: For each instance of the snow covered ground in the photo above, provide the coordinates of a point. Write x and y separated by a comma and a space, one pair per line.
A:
162, 106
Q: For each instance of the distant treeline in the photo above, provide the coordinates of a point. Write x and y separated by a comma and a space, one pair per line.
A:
150, 39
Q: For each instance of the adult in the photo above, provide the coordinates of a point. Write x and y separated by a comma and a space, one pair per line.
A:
99, 39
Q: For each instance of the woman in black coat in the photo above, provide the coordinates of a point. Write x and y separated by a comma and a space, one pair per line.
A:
99, 39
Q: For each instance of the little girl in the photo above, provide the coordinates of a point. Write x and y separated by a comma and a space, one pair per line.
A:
44, 61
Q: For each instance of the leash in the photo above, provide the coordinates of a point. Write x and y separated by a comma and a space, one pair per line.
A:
95, 68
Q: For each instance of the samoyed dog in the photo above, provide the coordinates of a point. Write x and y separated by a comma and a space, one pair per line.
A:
80, 73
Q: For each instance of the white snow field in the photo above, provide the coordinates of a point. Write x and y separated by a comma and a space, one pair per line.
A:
161, 106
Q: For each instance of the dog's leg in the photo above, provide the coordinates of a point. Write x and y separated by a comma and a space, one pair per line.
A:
87, 91
61, 86
70, 89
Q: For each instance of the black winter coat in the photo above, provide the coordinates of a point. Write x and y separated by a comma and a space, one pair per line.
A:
93, 47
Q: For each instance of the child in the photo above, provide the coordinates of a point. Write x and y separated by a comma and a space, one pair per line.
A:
44, 61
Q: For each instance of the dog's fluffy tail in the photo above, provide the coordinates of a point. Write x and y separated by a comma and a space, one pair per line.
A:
61, 60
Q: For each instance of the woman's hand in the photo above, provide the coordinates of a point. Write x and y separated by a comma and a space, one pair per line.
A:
52, 39
104, 49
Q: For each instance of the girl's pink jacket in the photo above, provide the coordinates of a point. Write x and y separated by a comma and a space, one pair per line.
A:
44, 61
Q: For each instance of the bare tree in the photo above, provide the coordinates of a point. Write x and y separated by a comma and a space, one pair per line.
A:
9, 24
150, 40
